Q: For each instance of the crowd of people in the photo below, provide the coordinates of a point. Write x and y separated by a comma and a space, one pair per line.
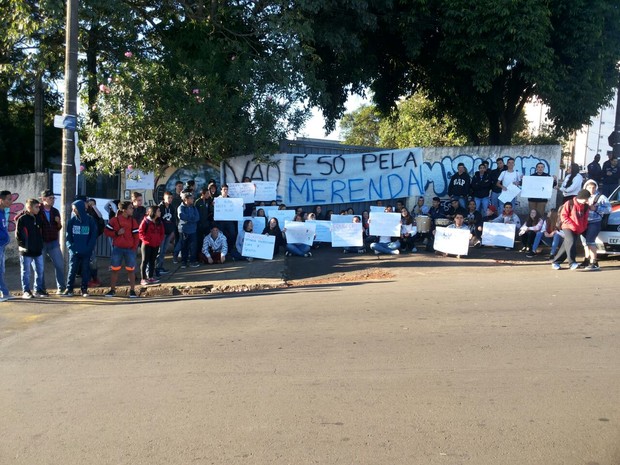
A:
188, 223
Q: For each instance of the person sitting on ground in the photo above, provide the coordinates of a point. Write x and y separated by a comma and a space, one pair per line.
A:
273, 229
574, 220
459, 223
362, 249
386, 244
549, 234
297, 249
420, 208
599, 207
455, 208
236, 253
474, 221
151, 232
533, 224
214, 247
491, 214
406, 231
508, 216
318, 212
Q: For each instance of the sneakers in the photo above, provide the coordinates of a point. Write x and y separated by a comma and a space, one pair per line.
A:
60, 291
414, 250
183, 265
361, 251
345, 251
584, 263
175, 260
556, 266
309, 254
194, 265
573, 266
68, 293
287, 254
152, 281
132, 294
111, 293
163, 271
530, 254
144, 282
84, 293
395, 252
508, 248
27, 295
42, 293
3, 299
593, 267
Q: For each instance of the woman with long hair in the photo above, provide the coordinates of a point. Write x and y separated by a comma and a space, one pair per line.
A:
533, 224
549, 234
406, 231
572, 183
151, 232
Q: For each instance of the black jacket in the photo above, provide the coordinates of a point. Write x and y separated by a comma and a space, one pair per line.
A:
459, 184
29, 236
481, 185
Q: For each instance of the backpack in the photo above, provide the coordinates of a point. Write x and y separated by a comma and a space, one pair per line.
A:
558, 223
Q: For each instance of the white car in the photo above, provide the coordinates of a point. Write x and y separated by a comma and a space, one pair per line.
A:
608, 240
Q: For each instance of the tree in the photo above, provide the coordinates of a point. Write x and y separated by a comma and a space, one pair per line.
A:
361, 127
478, 62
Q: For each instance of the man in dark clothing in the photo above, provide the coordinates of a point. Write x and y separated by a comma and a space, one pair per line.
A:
81, 237
495, 190
459, 186
169, 218
139, 210
30, 243
540, 205
176, 203
203, 205
595, 171
480, 187
611, 177
49, 219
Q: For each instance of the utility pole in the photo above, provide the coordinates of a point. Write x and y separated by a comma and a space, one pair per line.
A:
70, 109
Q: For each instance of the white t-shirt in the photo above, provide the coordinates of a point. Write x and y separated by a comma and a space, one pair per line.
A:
508, 178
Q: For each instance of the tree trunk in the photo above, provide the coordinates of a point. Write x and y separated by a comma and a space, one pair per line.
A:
38, 123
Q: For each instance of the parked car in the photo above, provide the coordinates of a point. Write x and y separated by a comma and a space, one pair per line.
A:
608, 240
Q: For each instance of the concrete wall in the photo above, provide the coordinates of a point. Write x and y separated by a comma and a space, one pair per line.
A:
23, 187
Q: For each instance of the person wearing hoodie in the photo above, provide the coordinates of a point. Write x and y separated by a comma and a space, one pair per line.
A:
599, 206
123, 230
188, 227
5, 202
151, 233
574, 220
460, 184
30, 244
215, 246
81, 238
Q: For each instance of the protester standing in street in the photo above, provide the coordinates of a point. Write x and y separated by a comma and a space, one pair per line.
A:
81, 238
30, 243
51, 224
574, 219
123, 230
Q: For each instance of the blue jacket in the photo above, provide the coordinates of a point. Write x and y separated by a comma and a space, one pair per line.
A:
188, 219
5, 238
81, 231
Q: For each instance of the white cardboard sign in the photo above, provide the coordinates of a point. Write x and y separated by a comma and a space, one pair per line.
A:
258, 223
512, 190
228, 209
537, 187
498, 234
452, 241
323, 230
347, 235
384, 224
242, 190
258, 246
265, 191
299, 233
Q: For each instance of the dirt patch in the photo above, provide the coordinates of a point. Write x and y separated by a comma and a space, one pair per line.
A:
370, 274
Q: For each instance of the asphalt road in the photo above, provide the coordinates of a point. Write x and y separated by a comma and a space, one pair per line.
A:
451, 363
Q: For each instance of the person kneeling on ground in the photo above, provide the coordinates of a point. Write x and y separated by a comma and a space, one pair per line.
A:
215, 247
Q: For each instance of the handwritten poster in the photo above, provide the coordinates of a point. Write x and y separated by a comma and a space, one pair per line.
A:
242, 190
452, 241
258, 246
347, 235
298, 232
323, 230
512, 190
228, 209
265, 191
258, 223
384, 224
498, 234
537, 187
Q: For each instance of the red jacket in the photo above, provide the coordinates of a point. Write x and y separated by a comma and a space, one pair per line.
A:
129, 239
574, 216
151, 233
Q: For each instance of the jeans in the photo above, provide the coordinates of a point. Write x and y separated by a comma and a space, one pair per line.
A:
36, 263
188, 247
385, 247
52, 249
568, 249
78, 262
3, 289
482, 205
149, 255
162, 250
298, 249
556, 240
494, 199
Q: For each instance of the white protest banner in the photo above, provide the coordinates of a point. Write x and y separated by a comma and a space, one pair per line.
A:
258, 223
258, 246
512, 190
377, 208
323, 230
409, 229
537, 187
227, 209
283, 215
347, 235
452, 241
315, 179
384, 224
139, 180
342, 218
242, 190
298, 232
265, 191
498, 234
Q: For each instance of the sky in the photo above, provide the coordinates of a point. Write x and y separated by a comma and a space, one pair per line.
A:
314, 127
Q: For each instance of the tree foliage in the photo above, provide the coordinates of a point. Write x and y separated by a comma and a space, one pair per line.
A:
479, 62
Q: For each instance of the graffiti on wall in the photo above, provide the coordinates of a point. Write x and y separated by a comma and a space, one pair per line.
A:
15, 209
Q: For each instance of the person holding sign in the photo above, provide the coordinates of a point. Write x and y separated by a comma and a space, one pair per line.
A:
298, 249
510, 176
540, 204
214, 247
273, 229
353, 249
237, 252
407, 231
229, 228
508, 216
386, 244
